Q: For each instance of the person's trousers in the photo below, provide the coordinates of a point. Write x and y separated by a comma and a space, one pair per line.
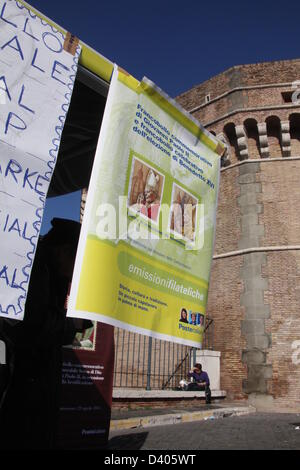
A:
195, 387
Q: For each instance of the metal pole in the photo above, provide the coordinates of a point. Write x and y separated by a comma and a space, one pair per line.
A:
149, 364
143, 362
116, 357
194, 356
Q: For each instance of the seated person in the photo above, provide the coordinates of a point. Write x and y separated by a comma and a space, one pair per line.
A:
201, 381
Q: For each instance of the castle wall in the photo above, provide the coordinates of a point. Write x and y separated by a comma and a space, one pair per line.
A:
254, 295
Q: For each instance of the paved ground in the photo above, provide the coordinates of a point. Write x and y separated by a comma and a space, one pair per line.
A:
254, 431
123, 414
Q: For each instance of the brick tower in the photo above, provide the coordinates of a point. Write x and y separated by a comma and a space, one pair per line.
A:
254, 293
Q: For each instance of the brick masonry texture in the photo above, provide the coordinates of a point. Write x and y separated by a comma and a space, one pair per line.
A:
254, 298
228, 215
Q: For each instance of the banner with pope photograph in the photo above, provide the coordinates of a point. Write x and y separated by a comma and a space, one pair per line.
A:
146, 244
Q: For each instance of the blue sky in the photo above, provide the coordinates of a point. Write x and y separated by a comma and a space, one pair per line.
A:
177, 44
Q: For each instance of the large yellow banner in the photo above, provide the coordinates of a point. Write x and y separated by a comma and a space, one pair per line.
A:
146, 245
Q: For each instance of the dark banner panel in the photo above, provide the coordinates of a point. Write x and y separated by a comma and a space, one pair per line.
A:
87, 382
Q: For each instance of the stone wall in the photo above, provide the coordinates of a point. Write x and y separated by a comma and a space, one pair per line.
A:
250, 108
242, 76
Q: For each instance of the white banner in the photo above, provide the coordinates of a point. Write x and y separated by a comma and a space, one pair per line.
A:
38, 65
